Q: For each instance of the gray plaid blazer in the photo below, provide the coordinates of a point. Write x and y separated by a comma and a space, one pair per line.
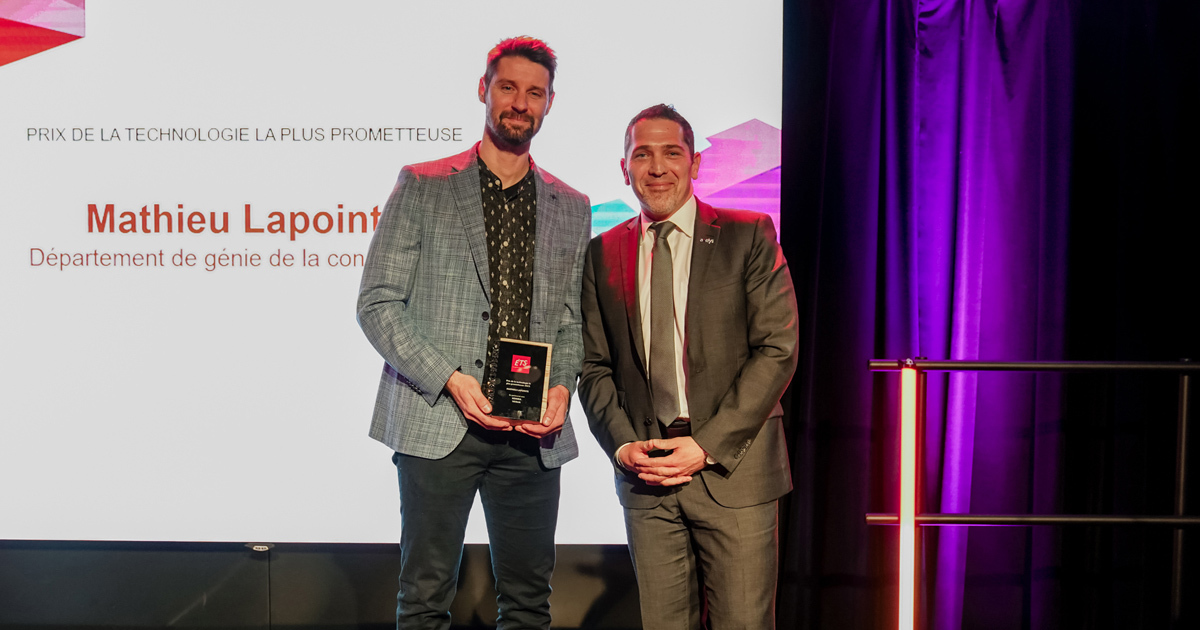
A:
425, 295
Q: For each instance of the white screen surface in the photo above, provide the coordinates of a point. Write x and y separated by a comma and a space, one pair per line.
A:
197, 402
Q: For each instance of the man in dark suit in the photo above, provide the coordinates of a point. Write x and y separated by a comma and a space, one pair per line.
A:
471, 249
689, 341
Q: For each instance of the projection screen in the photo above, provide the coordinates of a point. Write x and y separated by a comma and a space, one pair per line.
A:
195, 372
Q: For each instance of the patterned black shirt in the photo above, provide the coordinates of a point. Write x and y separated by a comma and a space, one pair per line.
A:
510, 220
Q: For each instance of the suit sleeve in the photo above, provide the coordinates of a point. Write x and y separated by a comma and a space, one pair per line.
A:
568, 341
607, 418
389, 274
771, 331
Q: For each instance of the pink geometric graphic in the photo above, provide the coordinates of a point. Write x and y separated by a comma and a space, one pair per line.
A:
759, 193
28, 27
741, 169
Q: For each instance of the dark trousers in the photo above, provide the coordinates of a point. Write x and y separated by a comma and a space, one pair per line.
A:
695, 558
520, 504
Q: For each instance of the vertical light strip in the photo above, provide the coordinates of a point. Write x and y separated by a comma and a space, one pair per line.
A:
908, 497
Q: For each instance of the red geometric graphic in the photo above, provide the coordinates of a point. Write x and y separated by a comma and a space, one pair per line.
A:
28, 27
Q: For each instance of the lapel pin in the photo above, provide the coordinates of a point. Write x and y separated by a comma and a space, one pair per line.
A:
707, 241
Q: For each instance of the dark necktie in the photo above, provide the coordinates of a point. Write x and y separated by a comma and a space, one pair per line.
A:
662, 327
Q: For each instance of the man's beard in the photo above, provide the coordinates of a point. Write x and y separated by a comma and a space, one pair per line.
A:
660, 207
512, 136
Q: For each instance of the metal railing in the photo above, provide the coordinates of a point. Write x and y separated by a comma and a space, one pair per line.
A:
1178, 520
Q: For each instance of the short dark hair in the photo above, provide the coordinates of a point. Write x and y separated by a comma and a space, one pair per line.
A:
666, 112
530, 48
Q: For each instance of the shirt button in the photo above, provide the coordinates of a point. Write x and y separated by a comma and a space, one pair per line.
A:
478, 363
485, 316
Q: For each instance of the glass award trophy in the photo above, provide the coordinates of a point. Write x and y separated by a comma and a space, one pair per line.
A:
520, 379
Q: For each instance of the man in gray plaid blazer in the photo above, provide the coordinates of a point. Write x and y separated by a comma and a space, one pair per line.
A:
471, 248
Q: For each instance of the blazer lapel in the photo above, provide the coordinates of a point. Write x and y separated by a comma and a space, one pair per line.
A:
628, 252
548, 219
465, 185
704, 245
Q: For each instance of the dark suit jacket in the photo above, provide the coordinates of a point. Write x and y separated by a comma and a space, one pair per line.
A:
740, 347
424, 300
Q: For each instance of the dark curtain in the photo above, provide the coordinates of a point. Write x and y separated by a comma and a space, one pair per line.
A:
995, 181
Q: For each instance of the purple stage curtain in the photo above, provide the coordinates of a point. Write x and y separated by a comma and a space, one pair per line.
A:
937, 229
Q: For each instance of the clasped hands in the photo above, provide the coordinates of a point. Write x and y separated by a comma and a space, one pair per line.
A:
468, 395
685, 460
